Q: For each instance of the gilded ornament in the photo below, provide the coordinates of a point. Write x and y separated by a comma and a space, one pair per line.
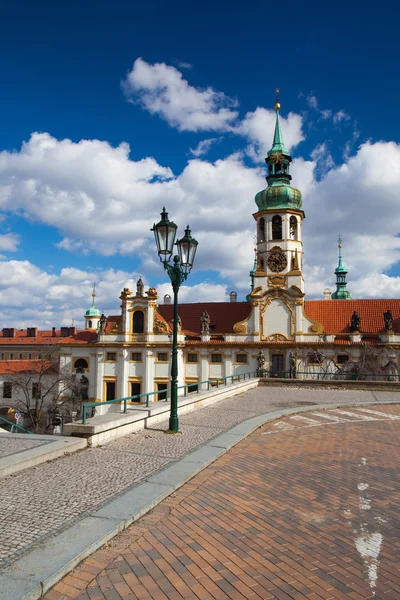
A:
159, 326
240, 328
152, 293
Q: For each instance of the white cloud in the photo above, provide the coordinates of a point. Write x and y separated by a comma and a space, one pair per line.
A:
203, 147
340, 116
29, 296
258, 128
104, 202
323, 159
161, 89
9, 242
358, 199
201, 292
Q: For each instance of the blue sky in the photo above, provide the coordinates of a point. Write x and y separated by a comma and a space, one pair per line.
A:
62, 69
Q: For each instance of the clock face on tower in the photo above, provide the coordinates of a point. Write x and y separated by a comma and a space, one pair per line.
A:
277, 260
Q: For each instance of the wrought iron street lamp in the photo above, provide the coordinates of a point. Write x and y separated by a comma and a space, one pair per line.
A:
165, 233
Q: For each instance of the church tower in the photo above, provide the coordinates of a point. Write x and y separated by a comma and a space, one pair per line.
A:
341, 292
279, 221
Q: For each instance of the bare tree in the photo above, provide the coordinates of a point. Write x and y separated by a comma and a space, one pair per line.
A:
41, 387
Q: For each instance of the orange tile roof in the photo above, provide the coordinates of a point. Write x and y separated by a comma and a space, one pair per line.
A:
46, 338
335, 315
9, 367
223, 315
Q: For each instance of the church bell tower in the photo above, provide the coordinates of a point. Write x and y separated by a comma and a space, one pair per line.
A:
279, 221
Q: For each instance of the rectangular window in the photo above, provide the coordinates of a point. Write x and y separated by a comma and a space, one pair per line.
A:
29, 356
160, 388
216, 358
36, 391
7, 389
20, 356
110, 390
111, 356
162, 357
11, 356
192, 358
342, 358
2, 356
241, 358
193, 387
136, 356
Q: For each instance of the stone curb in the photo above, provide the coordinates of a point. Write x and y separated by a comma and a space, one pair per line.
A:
40, 569
53, 447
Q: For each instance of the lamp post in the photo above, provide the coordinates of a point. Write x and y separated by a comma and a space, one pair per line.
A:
165, 233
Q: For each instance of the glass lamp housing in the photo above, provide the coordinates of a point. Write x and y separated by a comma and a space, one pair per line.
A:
187, 247
165, 233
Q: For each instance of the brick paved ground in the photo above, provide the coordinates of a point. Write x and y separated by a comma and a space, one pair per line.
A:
305, 507
40, 501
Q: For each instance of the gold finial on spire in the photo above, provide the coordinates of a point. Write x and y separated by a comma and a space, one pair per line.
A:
277, 103
339, 241
94, 289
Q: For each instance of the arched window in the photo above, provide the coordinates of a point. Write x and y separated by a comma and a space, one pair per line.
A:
138, 322
80, 365
90, 324
276, 227
261, 230
293, 228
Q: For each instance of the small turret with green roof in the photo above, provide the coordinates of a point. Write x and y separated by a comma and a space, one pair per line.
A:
341, 284
279, 194
92, 315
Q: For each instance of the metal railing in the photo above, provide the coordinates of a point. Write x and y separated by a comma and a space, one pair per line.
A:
195, 384
14, 426
330, 376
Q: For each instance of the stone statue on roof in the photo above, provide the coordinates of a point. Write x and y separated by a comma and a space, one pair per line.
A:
103, 323
140, 287
355, 322
388, 318
205, 322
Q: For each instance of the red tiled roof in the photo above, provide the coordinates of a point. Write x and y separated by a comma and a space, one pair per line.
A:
8, 367
46, 338
223, 315
335, 315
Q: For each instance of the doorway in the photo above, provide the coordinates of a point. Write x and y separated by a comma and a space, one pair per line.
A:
277, 369
135, 390
110, 390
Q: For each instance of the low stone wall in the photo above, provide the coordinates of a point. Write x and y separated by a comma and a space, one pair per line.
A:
332, 384
107, 427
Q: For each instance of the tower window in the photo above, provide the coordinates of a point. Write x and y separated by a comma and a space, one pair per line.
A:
90, 325
138, 322
261, 229
276, 227
293, 228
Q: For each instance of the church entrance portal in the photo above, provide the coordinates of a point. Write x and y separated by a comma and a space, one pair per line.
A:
277, 365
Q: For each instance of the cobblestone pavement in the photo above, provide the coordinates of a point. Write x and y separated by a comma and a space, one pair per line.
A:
40, 501
305, 507
10, 445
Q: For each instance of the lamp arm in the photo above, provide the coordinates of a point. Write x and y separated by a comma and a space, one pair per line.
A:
176, 275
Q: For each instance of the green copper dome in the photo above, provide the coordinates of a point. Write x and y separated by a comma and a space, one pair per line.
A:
92, 312
279, 195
